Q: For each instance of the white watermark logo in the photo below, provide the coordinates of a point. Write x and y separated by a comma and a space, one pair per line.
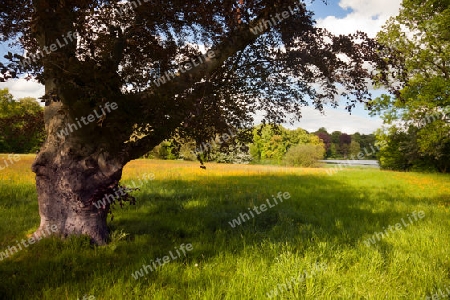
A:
68, 38
287, 285
162, 261
89, 119
277, 19
7, 163
377, 236
183, 68
439, 294
353, 158
86, 297
31, 240
243, 217
204, 147
122, 191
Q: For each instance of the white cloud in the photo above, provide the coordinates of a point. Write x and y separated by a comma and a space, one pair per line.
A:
363, 15
366, 15
21, 88
333, 119
336, 120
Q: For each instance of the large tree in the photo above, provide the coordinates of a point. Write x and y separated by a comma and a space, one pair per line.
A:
418, 109
143, 58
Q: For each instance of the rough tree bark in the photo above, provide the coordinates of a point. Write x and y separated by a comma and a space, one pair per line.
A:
70, 176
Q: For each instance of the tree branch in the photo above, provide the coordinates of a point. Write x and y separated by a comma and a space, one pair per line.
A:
164, 97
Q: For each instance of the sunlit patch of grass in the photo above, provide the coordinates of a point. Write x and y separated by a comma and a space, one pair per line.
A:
327, 220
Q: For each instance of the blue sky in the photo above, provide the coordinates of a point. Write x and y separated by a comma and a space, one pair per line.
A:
339, 17
331, 8
344, 17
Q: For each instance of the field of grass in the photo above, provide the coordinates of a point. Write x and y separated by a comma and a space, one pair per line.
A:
314, 245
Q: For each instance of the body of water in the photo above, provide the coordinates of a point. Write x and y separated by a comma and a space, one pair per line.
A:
351, 162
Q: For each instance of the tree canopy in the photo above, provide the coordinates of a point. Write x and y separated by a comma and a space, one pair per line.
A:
121, 50
418, 55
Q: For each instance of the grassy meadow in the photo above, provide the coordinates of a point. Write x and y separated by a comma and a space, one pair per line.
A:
314, 245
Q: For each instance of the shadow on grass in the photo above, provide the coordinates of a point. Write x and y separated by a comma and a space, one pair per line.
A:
170, 213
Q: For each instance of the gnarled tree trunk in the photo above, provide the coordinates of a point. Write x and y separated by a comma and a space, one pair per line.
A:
71, 175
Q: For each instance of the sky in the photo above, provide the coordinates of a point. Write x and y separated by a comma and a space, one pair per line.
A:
339, 17
344, 17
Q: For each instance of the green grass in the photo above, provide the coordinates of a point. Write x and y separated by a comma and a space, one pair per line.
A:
326, 221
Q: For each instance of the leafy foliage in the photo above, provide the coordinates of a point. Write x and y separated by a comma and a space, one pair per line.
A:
21, 124
419, 79
340, 145
306, 155
271, 143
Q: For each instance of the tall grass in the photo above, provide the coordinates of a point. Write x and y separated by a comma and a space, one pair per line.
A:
325, 222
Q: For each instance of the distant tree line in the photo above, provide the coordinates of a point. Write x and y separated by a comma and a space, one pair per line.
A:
22, 131
339, 145
274, 145
406, 148
281, 146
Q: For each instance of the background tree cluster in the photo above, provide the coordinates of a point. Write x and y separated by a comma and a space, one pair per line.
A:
339, 145
233, 150
21, 124
417, 110
271, 145
22, 131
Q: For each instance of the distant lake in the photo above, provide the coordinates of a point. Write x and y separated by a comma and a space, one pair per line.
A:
351, 162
